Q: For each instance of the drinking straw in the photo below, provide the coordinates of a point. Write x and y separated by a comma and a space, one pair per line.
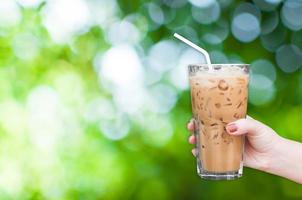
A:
191, 44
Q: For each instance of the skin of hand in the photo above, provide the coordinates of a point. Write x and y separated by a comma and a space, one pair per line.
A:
264, 149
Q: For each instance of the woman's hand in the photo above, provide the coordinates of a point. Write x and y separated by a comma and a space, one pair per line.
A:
264, 149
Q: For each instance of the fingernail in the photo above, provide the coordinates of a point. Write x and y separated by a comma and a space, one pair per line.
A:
194, 152
232, 128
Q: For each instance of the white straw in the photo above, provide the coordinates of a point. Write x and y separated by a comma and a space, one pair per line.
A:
191, 44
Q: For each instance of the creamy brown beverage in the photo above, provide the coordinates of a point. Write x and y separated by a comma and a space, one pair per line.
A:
219, 97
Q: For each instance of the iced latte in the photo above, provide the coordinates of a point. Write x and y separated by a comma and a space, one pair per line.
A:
219, 96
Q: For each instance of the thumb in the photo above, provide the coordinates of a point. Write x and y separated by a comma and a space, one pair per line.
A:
245, 126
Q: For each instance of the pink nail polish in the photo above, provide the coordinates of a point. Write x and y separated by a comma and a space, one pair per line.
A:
232, 128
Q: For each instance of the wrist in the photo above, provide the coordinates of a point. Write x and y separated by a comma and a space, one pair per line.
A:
285, 160
274, 165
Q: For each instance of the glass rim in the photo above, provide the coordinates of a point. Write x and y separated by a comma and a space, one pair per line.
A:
193, 68
223, 64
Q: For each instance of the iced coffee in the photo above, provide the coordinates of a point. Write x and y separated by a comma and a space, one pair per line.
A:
219, 96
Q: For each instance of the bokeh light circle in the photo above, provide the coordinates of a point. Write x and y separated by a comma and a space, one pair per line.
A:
272, 41
43, 102
30, 3
235, 58
206, 15
61, 26
121, 73
261, 90
156, 13
218, 57
153, 76
225, 3
99, 109
175, 3
119, 130
163, 55
158, 130
130, 33
269, 22
273, 1
104, 12
189, 32
120, 66
169, 16
140, 22
260, 81
291, 14
26, 46
164, 97
10, 13
203, 3
45, 117
218, 34
267, 5
289, 58
179, 74
248, 8
245, 27
130, 99
13, 113
263, 67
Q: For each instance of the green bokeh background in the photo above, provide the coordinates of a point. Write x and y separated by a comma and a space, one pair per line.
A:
51, 147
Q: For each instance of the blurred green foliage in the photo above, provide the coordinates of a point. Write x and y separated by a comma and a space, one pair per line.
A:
66, 131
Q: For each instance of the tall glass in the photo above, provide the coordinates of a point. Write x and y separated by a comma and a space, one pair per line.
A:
219, 96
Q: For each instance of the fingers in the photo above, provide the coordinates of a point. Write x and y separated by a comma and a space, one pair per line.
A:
243, 126
190, 125
192, 139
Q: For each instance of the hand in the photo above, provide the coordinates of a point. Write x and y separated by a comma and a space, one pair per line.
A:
260, 145
264, 149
